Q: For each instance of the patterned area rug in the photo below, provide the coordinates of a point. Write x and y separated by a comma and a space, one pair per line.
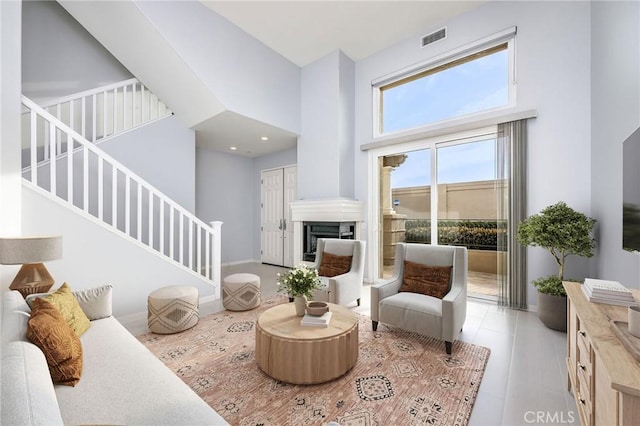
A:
400, 378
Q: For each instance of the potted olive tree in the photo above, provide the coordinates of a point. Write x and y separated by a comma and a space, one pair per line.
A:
563, 232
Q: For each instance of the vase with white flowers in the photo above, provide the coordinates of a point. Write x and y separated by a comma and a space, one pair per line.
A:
299, 283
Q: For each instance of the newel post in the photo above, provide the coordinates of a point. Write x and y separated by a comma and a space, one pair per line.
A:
216, 253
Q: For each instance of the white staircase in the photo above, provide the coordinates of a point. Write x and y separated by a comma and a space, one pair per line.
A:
61, 159
108, 110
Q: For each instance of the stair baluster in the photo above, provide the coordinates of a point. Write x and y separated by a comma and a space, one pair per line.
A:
67, 165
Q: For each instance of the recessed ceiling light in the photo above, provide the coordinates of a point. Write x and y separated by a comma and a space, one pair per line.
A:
232, 148
264, 138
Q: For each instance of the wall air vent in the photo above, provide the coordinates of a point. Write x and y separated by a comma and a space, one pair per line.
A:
433, 37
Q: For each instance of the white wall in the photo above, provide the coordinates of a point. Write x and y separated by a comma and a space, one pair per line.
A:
266, 162
228, 189
346, 111
245, 75
162, 153
59, 56
615, 115
553, 76
319, 174
325, 146
145, 52
224, 192
94, 255
10, 150
10, 130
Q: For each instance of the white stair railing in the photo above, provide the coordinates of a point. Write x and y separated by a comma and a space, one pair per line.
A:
62, 162
108, 110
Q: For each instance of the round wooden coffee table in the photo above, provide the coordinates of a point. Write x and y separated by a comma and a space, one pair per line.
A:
296, 354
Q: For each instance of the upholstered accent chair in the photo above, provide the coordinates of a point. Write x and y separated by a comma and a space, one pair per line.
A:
428, 315
346, 286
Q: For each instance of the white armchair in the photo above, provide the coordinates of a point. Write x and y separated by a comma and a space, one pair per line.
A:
344, 288
419, 313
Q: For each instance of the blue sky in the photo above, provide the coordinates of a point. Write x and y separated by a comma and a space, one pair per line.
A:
467, 88
470, 87
459, 163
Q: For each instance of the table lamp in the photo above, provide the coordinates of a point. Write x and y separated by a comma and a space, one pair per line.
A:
30, 252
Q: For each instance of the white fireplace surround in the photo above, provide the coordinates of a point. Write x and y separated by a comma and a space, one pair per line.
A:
323, 210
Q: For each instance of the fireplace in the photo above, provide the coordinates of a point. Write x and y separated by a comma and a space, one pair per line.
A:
330, 217
311, 231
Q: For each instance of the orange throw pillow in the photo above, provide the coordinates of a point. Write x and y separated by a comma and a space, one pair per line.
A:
429, 280
332, 265
49, 331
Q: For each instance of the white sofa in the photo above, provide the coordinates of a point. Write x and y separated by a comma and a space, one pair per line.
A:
122, 382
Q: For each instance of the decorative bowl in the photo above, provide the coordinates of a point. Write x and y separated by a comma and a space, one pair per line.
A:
317, 308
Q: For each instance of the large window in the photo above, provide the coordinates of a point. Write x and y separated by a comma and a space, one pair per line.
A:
467, 85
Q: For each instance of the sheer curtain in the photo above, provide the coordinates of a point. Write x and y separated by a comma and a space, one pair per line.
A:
512, 168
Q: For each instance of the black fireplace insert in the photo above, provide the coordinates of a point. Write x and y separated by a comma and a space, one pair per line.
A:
314, 230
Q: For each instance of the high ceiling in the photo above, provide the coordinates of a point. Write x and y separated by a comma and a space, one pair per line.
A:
303, 31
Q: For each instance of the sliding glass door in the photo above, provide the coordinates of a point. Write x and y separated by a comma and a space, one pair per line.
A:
468, 193
447, 192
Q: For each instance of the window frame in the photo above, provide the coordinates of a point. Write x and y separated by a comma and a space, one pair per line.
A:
374, 215
442, 62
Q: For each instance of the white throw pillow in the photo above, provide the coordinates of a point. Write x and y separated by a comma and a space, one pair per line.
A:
95, 302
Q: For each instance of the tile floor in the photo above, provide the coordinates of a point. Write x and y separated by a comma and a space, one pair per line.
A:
482, 283
525, 381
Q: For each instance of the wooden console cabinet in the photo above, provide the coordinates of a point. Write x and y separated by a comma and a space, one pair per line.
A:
604, 376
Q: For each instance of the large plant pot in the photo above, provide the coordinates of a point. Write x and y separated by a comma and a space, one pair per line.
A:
552, 311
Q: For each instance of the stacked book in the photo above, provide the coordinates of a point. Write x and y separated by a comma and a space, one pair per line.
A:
609, 292
316, 321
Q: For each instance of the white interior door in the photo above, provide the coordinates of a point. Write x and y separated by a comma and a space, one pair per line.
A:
278, 189
272, 219
290, 187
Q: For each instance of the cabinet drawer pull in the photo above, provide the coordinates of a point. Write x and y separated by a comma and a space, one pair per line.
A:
582, 333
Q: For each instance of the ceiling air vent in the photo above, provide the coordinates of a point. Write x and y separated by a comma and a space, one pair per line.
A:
433, 37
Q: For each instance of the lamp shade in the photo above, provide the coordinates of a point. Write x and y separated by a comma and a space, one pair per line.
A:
21, 250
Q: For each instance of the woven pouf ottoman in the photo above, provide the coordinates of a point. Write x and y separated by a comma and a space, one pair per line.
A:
173, 309
241, 292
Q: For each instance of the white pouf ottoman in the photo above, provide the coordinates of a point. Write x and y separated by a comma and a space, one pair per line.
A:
241, 292
173, 309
